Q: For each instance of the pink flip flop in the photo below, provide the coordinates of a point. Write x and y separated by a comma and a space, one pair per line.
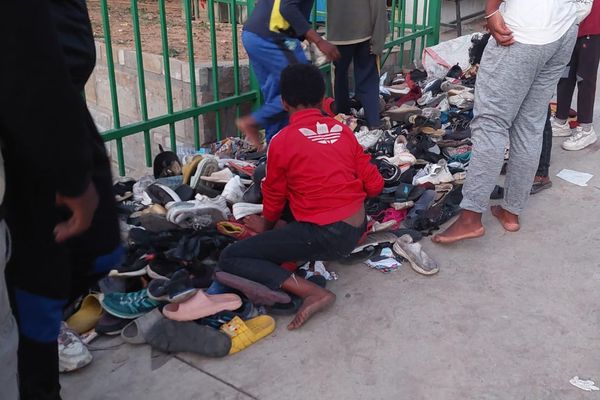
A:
202, 305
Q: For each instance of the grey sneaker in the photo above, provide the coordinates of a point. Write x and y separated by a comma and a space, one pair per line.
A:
415, 255
72, 352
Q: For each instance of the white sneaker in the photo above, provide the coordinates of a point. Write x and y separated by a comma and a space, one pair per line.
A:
401, 154
580, 140
560, 130
241, 210
367, 138
234, 190
434, 173
72, 352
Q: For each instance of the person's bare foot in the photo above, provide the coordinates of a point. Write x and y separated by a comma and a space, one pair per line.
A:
467, 226
310, 306
508, 220
250, 129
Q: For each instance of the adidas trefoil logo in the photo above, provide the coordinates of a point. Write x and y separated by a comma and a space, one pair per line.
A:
323, 135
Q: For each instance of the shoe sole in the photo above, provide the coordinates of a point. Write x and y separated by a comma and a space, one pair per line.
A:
129, 274
561, 134
183, 296
579, 148
154, 275
118, 314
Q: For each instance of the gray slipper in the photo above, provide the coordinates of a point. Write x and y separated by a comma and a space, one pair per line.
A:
175, 337
415, 255
135, 332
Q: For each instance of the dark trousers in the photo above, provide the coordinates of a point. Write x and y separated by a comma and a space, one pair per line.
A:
583, 70
42, 275
366, 80
544, 164
259, 258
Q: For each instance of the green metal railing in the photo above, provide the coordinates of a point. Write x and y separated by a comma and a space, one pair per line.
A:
414, 24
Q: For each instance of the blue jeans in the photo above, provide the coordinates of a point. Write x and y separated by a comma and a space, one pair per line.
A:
268, 57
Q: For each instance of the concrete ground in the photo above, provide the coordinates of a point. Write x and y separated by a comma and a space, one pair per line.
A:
510, 316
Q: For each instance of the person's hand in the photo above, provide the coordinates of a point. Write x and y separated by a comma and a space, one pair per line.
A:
257, 223
497, 27
330, 50
82, 208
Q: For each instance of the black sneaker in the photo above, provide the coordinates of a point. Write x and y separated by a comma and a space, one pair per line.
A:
160, 268
389, 172
166, 163
111, 325
175, 290
160, 194
136, 268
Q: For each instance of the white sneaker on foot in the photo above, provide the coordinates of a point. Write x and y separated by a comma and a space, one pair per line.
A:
72, 352
560, 130
580, 140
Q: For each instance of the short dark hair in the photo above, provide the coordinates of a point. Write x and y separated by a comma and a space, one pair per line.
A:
302, 85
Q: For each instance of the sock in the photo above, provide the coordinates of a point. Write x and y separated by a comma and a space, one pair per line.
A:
560, 121
586, 127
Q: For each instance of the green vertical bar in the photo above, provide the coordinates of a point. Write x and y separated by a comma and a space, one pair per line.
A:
413, 42
236, 59
402, 30
435, 12
135, 18
215, 64
314, 16
423, 25
192, 67
167, 69
110, 65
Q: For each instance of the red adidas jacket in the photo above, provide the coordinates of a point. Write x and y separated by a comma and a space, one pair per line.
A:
317, 165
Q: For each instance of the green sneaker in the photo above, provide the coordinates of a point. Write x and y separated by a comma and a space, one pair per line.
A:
129, 305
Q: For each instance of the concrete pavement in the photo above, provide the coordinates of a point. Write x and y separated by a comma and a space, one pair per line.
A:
510, 316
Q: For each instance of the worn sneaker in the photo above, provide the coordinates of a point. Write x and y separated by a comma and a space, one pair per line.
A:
72, 352
129, 305
560, 130
434, 173
367, 138
580, 140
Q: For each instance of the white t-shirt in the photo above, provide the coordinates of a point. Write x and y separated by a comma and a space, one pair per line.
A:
538, 21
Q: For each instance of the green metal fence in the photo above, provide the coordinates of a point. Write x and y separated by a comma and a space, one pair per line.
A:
414, 24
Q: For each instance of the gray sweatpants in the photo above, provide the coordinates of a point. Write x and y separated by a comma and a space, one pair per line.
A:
8, 329
513, 89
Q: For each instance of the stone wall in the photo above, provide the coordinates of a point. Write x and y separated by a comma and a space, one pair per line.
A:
98, 98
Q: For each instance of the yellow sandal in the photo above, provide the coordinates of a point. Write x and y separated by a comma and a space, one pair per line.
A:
244, 334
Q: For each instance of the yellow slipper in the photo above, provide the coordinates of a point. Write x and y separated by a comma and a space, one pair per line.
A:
88, 315
189, 169
244, 334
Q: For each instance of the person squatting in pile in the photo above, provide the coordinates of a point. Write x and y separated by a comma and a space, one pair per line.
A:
317, 167
519, 70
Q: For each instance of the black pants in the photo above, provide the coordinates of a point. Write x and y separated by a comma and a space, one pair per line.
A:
544, 164
41, 273
366, 80
583, 70
259, 258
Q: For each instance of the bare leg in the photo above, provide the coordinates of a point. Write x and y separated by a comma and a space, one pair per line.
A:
314, 299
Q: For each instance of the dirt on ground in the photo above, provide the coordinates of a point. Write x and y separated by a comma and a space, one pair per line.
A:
121, 29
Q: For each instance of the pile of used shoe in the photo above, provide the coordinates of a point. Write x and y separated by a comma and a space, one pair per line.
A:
175, 222
166, 292
423, 147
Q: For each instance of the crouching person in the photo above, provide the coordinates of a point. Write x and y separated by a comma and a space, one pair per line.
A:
317, 167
